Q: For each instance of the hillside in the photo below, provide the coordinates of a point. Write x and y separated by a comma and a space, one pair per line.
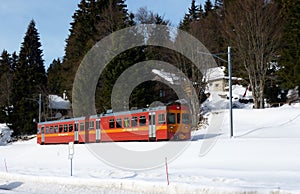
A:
262, 157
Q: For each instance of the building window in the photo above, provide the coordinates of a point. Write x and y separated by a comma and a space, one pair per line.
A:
162, 93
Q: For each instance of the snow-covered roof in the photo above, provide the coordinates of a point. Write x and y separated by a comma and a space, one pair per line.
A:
57, 102
215, 73
169, 77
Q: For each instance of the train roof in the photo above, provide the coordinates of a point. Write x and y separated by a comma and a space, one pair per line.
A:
135, 111
113, 114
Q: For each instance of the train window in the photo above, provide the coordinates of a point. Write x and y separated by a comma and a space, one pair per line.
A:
134, 121
119, 123
60, 128
126, 122
42, 129
47, 129
171, 118
142, 120
38, 131
111, 123
56, 129
161, 119
70, 127
65, 128
97, 124
81, 126
92, 125
185, 118
51, 129
178, 118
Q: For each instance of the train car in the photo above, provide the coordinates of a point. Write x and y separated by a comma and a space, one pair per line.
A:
171, 122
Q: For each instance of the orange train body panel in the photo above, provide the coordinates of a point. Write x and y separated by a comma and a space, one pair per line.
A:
170, 122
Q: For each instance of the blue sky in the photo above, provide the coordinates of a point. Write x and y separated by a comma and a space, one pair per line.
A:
53, 18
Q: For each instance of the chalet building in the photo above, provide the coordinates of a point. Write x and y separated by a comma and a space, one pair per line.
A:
59, 107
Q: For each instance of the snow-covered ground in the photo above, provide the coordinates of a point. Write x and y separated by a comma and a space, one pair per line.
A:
263, 157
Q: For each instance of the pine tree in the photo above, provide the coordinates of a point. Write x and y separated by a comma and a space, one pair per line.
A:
194, 11
208, 7
194, 14
6, 74
93, 20
54, 77
29, 80
289, 74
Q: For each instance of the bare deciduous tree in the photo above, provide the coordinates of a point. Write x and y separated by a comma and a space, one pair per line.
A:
253, 28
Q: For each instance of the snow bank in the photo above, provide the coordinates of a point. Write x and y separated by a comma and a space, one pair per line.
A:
5, 134
219, 100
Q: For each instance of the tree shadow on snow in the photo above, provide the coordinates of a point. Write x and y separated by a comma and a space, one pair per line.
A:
204, 136
10, 186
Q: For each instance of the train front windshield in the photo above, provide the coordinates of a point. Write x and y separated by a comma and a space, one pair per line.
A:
171, 119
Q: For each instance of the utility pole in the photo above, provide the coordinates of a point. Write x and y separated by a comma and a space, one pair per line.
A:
40, 107
230, 92
229, 82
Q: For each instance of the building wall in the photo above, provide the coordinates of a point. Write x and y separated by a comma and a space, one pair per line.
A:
217, 85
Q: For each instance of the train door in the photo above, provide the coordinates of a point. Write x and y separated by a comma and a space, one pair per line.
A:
43, 134
76, 133
98, 132
86, 128
152, 126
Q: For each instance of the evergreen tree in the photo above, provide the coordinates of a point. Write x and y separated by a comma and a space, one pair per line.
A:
54, 77
219, 8
6, 74
208, 7
218, 4
194, 14
5, 62
14, 62
92, 21
29, 80
194, 11
289, 73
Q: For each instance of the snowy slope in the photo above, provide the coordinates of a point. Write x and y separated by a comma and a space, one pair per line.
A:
263, 157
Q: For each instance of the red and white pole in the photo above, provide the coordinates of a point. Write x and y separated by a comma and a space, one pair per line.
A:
167, 173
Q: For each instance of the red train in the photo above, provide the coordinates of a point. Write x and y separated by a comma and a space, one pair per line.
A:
171, 122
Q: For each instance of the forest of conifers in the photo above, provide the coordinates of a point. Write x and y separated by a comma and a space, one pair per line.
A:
264, 37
